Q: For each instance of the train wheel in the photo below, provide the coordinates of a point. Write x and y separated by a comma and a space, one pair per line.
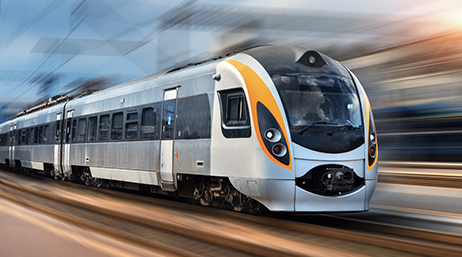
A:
97, 182
72, 177
87, 180
53, 174
255, 208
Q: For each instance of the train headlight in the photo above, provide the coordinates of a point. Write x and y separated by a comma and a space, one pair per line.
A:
273, 135
312, 59
372, 137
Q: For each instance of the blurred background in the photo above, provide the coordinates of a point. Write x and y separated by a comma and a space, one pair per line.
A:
407, 54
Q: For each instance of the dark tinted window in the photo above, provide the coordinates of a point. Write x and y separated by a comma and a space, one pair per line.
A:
23, 137
148, 122
40, 139
131, 126
319, 98
132, 116
103, 127
35, 135
168, 119
45, 134
117, 125
234, 112
74, 130
57, 132
31, 134
92, 129
3, 140
81, 130
193, 117
323, 111
19, 136
27, 137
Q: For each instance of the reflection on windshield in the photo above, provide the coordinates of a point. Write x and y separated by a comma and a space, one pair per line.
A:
321, 99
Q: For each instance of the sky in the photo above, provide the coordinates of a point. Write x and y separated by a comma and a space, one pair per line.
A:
68, 42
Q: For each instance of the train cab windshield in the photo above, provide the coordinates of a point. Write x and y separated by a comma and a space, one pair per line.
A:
323, 111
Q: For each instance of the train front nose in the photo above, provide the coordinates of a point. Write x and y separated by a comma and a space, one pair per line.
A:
323, 185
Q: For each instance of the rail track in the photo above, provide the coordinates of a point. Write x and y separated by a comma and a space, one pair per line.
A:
265, 235
182, 241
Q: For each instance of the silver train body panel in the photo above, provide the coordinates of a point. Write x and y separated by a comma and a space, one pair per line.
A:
43, 149
138, 161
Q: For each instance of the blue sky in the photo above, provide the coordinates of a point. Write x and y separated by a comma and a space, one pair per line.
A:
80, 40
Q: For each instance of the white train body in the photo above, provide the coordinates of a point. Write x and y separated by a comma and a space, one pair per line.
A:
282, 127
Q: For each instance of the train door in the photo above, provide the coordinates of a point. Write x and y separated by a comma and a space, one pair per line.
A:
68, 130
167, 138
11, 145
57, 150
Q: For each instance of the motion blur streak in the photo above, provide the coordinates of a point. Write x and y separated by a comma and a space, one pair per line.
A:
416, 90
75, 237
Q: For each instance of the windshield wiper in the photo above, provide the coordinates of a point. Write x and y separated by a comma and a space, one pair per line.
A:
342, 127
313, 124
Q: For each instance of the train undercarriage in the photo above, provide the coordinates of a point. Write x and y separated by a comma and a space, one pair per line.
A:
215, 192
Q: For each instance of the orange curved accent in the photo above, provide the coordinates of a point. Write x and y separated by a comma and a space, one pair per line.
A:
376, 146
369, 113
259, 92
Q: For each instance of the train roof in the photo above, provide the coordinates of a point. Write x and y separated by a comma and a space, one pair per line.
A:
292, 59
275, 59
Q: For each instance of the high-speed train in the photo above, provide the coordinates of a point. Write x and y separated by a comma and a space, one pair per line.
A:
277, 127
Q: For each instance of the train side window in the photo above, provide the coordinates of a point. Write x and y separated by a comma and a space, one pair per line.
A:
31, 134
117, 125
57, 132
92, 129
131, 125
4, 139
20, 133
234, 110
40, 137
27, 136
68, 131
45, 134
19, 137
74, 130
148, 122
82, 130
103, 131
193, 117
24, 136
35, 135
